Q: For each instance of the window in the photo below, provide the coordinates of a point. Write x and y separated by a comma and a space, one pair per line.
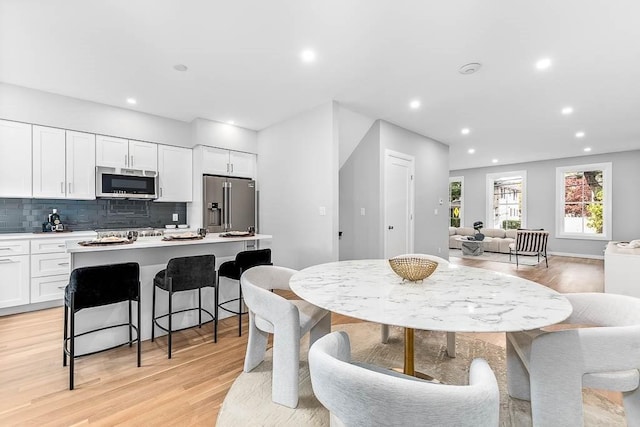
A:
506, 202
456, 198
584, 201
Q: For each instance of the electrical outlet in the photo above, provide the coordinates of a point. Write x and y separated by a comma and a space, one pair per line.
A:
362, 211
439, 250
435, 211
322, 211
175, 217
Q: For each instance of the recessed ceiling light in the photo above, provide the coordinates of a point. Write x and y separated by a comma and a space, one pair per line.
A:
471, 150
465, 131
580, 134
180, 67
308, 55
231, 122
132, 101
587, 149
415, 104
567, 110
494, 160
543, 64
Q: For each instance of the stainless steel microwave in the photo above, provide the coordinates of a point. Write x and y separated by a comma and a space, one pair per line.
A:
129, 185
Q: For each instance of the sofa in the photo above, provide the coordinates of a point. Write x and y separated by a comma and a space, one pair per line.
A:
499, 243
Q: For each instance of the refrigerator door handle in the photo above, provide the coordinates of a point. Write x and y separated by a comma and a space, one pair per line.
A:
226, 205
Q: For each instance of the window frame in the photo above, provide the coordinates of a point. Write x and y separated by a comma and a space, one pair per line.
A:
607, 169
461, 180
491, 178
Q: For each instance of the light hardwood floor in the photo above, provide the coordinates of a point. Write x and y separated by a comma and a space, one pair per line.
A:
186, 390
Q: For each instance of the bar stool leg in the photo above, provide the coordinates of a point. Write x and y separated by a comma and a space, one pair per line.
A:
215, 310
199, 307
153, 313
65, 335
130, 326
139, 328
170, 326
239, 309
72, 353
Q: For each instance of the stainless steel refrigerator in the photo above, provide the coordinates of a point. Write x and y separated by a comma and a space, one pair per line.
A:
229, 203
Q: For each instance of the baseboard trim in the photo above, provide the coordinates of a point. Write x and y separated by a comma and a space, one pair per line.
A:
577, 255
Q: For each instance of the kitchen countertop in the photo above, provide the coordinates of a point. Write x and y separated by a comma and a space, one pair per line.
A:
49, 235
157, 242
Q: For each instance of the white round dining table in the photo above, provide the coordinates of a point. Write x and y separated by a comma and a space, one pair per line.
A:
453, 299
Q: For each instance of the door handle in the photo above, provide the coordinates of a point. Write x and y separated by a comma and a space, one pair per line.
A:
62, 187
69, 188
131, 161
390, 227
126, 160
63, 263
4, 261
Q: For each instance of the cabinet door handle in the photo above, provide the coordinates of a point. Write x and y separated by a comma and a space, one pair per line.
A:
160, 191
63, 263
62, 187
131, 161
5, 249
126, 160
61, 246
69, 188
61, 288
231, 167
5, 261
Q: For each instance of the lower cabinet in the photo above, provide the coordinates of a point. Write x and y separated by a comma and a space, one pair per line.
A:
48, 288
49, 270
14, 280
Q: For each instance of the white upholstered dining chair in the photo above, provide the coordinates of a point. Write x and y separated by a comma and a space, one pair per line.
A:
359, 394
288, 320
551, 368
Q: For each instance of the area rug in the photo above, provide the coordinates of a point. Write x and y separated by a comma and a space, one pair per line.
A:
498, 257
248, 402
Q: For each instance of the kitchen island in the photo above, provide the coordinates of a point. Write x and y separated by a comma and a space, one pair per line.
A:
153, 254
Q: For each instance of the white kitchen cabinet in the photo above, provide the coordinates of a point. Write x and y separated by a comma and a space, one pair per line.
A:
14, 273
48, 288
218, 161
143, 155
121, 153
15, 159
49, 269
174, 174
81, 165
621, 270
63, 164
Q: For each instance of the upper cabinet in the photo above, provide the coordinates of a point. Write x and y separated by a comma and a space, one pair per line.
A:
123, 153
63, 164
15, 159
174, 174
218, 161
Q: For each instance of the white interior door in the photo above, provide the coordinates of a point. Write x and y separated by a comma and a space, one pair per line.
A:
398, 199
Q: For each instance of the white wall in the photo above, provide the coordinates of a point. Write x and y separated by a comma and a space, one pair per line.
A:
298, 170
216, 134
541, 198
362, 185
360, 189
47, 109
352, 127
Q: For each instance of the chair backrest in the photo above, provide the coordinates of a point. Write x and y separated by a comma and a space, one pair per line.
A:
256, 284
532, 241
104, 284
606, 310
247, 259
358, 396
191, 272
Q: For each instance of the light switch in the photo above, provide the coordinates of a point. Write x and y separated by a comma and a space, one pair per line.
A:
361, 211
435, 211
323, 211
175, 217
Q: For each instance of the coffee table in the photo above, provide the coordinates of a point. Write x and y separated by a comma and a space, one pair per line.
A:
453, 299
472, 247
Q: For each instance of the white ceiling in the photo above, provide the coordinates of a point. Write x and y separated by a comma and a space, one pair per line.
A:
373, 57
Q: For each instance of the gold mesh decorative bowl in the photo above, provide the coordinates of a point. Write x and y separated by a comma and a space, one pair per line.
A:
413, 267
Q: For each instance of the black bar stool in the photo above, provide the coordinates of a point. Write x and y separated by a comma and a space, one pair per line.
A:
185, 274
234, 269
93, 287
